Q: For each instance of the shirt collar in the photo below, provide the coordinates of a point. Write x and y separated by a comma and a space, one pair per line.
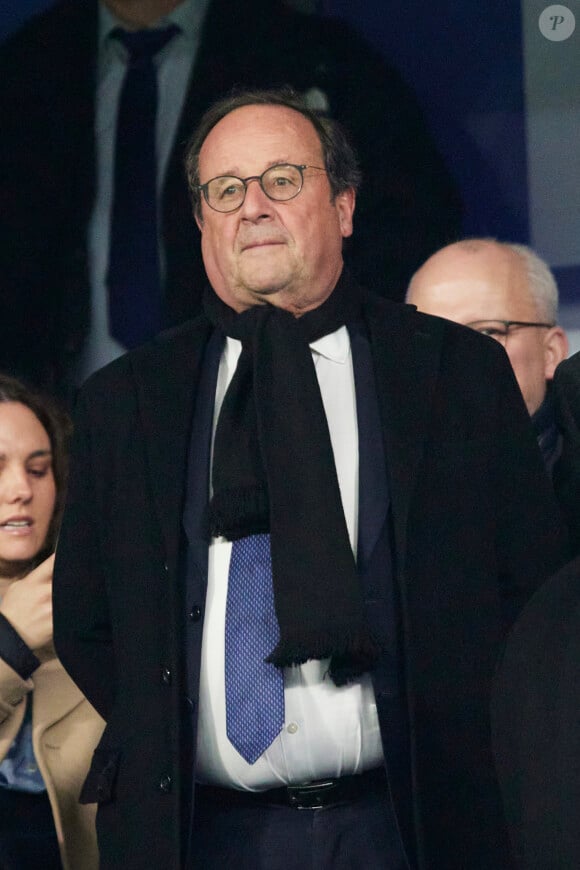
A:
188, 16
335, 347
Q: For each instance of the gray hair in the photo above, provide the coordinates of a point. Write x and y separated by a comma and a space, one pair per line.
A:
540, 280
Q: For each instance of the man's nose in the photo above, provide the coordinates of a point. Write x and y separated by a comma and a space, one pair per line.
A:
256, 204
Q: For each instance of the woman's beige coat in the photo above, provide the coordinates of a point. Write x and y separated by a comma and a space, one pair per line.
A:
65, 730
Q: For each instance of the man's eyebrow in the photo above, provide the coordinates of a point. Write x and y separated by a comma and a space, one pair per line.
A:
236, 173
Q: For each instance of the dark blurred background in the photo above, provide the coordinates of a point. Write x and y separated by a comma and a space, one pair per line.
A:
502, 102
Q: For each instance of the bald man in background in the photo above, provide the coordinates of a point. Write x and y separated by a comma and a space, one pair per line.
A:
507, 292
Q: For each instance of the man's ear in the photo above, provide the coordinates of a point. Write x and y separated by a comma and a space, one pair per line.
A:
555, 350
345, 203
198, 220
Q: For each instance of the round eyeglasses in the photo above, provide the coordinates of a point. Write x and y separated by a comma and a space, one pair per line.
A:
501, 329
281, 182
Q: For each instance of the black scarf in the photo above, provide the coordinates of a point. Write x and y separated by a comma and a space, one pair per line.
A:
273, 471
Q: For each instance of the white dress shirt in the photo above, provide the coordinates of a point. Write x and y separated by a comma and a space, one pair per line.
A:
174, 63
328, 731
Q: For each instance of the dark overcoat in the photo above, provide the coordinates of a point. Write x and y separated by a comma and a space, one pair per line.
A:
475, 530
536, 726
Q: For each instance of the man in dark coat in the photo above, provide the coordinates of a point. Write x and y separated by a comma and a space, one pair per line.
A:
536, 726
567, 470
536, 700
51, 73
505, 291
404, 505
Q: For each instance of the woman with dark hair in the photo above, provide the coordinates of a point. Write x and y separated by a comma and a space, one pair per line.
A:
47, 728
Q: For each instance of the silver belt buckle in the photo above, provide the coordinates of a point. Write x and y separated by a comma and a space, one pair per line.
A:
309, 796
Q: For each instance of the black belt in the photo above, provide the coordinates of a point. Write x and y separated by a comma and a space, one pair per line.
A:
306, 796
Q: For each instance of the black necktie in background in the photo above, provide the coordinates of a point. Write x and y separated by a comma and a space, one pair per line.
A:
134, 277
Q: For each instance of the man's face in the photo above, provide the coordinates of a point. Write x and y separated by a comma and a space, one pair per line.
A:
286, 253
489, 283
141, 13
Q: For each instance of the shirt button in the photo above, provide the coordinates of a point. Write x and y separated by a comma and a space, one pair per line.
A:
195, 613
166, 677
292, 728
165, 784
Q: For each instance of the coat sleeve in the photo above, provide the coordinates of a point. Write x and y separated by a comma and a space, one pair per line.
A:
13, 688
82, 630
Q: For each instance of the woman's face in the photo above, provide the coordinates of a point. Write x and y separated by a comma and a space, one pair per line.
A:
27, 488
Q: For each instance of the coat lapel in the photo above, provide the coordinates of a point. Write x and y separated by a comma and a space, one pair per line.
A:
373, 486
58, 693
406, 361
167, 374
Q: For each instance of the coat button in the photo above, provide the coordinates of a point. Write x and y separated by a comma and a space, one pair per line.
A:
195, 613
166, 677
165, 784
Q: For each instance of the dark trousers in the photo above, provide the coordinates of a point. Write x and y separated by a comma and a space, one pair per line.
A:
349, 836
27, 835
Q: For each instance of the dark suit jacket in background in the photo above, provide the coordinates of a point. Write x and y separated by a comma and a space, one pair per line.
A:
475, 530
536, 726
407, 209
566, 394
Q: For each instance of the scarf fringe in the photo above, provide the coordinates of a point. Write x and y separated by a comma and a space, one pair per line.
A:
350, 657
236, 513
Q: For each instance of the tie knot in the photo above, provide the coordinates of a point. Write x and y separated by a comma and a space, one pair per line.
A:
143, 45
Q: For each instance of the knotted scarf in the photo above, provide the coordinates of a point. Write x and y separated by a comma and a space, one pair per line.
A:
273, 471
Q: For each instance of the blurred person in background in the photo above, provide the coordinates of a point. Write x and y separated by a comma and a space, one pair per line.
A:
536, 699
536, 726
47, 728
98, 240
509, 293
567, 471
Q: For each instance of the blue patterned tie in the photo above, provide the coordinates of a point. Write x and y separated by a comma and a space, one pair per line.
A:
134, 276
254, 689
